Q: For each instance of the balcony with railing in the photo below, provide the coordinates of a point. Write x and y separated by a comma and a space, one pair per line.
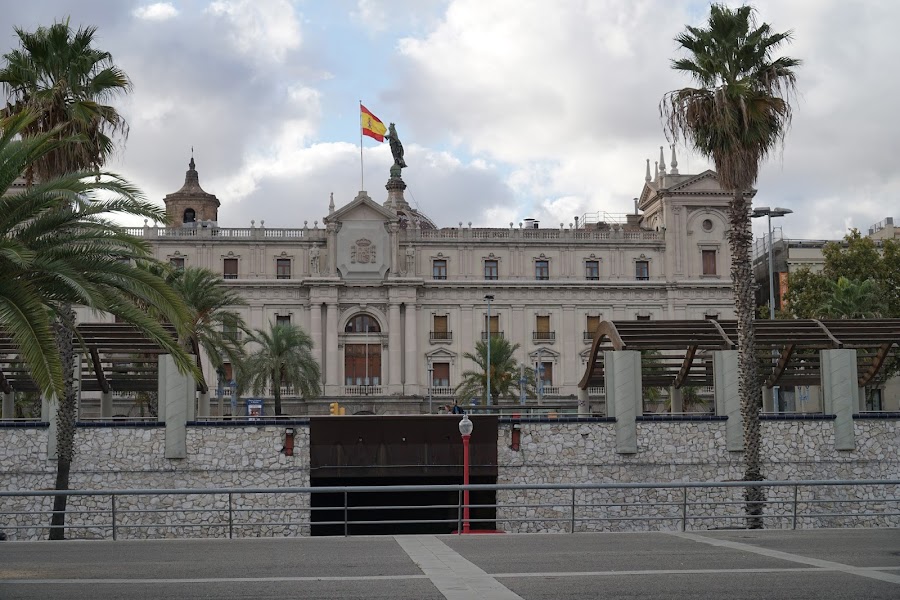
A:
440, 391
494, 334
543, 336
440, 336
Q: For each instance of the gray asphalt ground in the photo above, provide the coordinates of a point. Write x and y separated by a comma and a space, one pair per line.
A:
820, 565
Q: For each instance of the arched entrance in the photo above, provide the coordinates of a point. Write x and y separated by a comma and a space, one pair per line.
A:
362, 352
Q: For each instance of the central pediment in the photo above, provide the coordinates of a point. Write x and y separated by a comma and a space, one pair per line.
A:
363, 239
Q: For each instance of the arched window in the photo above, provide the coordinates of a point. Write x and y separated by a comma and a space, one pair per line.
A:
189, 215
361, 324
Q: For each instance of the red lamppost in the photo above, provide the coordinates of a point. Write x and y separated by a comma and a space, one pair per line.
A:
465, 430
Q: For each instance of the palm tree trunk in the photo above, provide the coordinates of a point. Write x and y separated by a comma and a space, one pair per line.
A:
276, 390
65, 433
740, 238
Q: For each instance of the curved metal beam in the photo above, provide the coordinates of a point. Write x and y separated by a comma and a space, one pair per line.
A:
877, 363
783, 361
731, 345
685, 366
98, 370
837, 343
605, 329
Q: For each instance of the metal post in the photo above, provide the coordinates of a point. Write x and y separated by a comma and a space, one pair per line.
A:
572, 530
772, 301
488, 374
794, 526
684, 508
230, 517
465, 440
346, 516
113, 504
430, 385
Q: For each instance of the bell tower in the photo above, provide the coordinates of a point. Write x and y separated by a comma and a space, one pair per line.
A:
190, 206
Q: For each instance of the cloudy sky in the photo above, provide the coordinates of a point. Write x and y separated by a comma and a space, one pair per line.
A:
507, 109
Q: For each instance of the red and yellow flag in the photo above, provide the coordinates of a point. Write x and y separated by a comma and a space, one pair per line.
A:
371, 125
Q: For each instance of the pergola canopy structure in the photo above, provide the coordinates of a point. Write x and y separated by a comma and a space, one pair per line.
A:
115, 356
677, 353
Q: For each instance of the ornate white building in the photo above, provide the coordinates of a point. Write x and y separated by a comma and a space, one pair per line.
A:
393, 301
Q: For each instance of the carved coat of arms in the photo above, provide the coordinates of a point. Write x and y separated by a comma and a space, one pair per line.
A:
363, 251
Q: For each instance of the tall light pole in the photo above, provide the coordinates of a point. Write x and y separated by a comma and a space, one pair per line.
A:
765, 211
488, 298
465, 430
430, 385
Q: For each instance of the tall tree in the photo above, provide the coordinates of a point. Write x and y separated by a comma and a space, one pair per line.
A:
59, 76
283, 357
740, 113
58, 248
504, 376
849, 299
213, 325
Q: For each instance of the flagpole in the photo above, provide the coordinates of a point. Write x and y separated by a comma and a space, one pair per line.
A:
362, 185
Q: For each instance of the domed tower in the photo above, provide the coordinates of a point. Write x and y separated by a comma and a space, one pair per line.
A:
191, 204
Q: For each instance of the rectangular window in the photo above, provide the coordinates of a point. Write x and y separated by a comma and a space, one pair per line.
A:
439, 269
542, 269
643, 317
230, 329
177, 263
592, 270
491, 270
493, 327
440, 377
542, 328
591, 327
544, 373
441, 331
709, 262
362, 364
230, 268
282, 319
283, 268
642, 270
228, 373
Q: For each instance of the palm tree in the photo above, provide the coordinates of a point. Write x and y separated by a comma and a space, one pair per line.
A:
284, 357
740, 112
61, 76
849, 299
58, 249
504, 376
212, 326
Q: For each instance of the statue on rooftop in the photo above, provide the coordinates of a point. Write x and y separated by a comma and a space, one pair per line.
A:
396, 149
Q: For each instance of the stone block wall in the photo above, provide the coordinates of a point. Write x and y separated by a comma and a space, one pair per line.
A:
678, 451
119, 458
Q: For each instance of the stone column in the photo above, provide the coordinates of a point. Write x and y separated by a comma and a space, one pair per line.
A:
624, 397
395, 361
106, 405
728, 400
394, 229
517, 330
203, 405
179, 402
411, 350
332, 384
9, 405
331, 230
676, 405
568, 349
841, 394
584, 405
315, 331
161, 390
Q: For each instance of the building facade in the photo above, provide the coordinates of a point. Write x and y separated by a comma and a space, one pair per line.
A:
393, 301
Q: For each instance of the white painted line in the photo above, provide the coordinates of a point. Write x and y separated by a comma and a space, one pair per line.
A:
206, 580
657, 572
454, 576
815, 562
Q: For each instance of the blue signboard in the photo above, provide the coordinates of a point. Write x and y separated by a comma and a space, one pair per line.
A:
254, 408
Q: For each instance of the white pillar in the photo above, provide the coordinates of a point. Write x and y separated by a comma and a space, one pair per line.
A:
584, 405
9, 405
728, 400
203, 405
624, 396
394, 349
315, 331
179, 402
841, 394
106, 405
332, 385
161, 389
676, 403
412, 354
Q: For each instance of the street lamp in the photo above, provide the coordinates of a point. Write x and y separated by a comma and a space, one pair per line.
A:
488, 298
430, 385
765, 211
465, 430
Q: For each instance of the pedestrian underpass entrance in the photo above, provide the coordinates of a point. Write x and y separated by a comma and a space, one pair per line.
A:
399, 450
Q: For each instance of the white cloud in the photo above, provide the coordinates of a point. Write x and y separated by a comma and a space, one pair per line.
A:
160, 11
262, 29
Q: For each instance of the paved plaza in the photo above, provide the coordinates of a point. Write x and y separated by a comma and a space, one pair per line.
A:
821, 564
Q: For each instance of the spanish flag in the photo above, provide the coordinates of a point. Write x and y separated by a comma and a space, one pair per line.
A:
371, 125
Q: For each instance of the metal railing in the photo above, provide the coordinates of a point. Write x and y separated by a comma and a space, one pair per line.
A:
571, 508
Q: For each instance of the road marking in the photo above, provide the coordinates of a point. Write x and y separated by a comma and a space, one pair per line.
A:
208, 580
454, 576
797, 558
